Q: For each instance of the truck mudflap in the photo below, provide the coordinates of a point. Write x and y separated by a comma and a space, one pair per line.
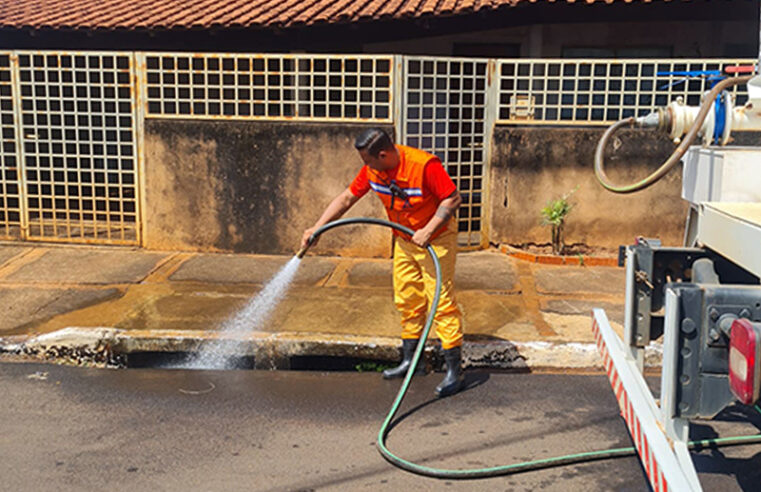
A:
666, 459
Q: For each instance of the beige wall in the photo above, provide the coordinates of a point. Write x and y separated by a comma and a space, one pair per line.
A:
252, 187
533, 165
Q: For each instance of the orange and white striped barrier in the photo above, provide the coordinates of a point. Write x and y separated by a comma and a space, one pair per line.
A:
664, 470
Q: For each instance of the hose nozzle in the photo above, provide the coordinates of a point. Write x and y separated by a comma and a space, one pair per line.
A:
303, 250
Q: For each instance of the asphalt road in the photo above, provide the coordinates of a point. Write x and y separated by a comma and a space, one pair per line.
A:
65, 428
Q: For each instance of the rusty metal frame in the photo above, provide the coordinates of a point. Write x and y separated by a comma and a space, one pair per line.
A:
492, 100
140, 191
399, 97
11, 175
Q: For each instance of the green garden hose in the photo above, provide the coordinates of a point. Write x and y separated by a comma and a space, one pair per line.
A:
497, 470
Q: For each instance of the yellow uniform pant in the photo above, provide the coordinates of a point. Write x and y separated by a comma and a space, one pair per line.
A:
414, 285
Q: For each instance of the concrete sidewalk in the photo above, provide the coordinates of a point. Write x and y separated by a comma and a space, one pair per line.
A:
63, 299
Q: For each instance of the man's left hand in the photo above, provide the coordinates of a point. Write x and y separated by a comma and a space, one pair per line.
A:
421, 237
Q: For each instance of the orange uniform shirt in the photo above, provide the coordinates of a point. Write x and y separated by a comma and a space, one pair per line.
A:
420, 176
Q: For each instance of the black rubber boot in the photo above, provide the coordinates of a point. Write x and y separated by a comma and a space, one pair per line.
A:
408, 350
453, 381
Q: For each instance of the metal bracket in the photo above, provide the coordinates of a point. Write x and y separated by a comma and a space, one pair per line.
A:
700, 315
652, 268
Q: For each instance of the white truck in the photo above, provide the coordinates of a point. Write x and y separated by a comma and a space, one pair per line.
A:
704, 298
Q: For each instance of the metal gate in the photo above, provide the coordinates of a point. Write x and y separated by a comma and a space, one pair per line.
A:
447, 110
10, 210
69, 147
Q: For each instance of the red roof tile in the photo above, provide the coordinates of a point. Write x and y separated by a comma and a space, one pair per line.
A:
168, 14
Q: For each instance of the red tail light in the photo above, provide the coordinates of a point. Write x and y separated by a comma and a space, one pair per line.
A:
745, 360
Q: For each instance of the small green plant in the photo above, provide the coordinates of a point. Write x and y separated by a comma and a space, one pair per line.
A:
372, 366
555, 214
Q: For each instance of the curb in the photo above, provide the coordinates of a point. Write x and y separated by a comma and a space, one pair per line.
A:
112, 347
577, 260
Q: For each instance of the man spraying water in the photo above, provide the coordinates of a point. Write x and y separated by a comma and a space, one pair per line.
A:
417, 193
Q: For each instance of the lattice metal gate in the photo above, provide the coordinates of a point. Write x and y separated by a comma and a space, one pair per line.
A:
447, 109
10, 208
71, 173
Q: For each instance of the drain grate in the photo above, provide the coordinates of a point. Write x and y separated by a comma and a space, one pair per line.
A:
184, 360
146, 360
336, 363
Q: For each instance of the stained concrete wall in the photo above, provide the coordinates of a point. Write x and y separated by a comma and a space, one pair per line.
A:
252, 187
530, 166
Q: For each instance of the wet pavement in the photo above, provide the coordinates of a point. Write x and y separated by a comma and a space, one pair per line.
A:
66, 428
158, 298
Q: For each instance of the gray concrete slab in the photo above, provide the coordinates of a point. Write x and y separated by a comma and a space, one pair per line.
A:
337, 310
302, 309
485, 270
615, 311
88, 266
474, 271
372, 312
8, 252
332, 297
576, 280
24, 307
495, 315
250, 269
372, 274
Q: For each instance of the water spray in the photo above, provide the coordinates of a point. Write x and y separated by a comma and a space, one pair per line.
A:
220, 353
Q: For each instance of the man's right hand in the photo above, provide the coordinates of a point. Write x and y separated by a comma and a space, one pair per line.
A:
307, 234
335, 210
